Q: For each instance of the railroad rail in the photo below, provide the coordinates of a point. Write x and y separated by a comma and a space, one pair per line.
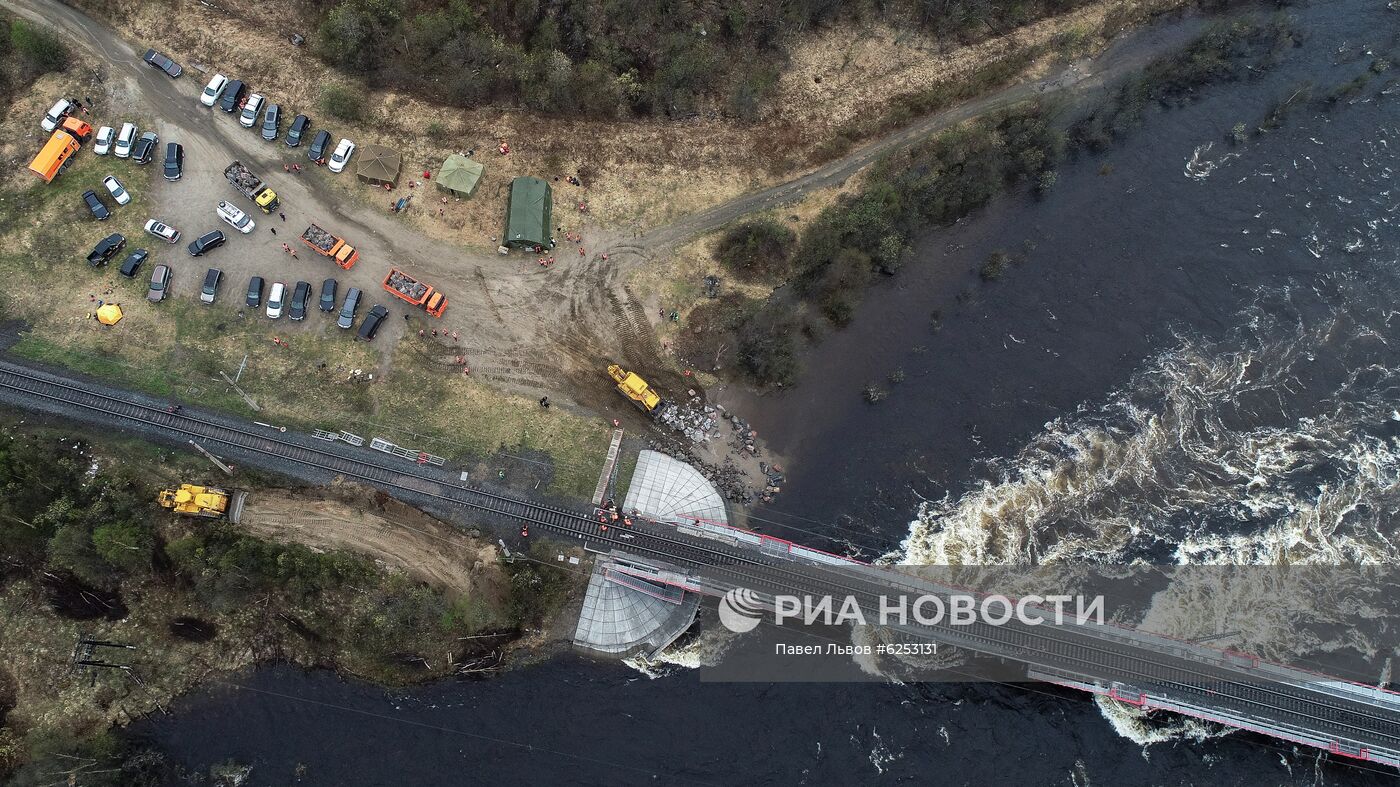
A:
1349, 719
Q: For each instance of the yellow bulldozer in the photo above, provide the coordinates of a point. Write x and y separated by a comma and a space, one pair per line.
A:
203, 501
635, 388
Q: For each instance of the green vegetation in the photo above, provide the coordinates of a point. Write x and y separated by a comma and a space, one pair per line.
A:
1225, 53
37, 50
343, 102
604, 59
756, 250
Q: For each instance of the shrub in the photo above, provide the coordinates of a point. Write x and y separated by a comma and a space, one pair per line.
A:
343, 102
39, 51
756, 250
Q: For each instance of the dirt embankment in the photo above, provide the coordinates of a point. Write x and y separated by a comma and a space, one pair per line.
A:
394, 535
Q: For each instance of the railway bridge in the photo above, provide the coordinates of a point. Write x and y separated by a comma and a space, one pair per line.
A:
1154, 672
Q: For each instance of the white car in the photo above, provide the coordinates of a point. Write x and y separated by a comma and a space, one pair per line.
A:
250, 111
56, 114
213, 90
163, 231
274, 299
116, 189
125, 140
235, 218
342, 155
102, 143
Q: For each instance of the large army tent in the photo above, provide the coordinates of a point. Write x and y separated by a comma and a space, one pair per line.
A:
378, 165
460, 175
530, 213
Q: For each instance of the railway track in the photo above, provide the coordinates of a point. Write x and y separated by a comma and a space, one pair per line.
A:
1071, 649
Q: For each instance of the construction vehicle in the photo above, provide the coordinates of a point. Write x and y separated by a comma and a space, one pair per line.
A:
250, 186
203, 501
415, 292
635, 388
57, 153
328, 245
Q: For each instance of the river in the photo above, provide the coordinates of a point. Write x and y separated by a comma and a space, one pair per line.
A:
1196, 361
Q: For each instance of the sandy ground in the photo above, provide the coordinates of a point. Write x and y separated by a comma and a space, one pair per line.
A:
395, 535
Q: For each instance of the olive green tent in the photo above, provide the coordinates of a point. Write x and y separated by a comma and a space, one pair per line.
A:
378, 165
460, 175
530, 213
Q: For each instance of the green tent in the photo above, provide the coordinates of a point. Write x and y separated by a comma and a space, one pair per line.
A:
378, 165
460, 175
530, 214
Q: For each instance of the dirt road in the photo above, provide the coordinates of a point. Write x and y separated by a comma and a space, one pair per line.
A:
525, 328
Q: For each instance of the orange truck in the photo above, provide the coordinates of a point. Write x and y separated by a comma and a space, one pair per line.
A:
415, 292
328, 245
58, 152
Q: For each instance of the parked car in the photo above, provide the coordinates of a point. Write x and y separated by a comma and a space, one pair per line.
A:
235, 217
213, 90
274, 299
271, 118
132, 263
210, 289
174, 160
99, 211
157, 60
347, 311
206, 243
232, 96
117, 190
342, 155
255, 288
125, 140
328, 288
300, 296
106, 249
145, 147
300, 125
102, 143
163, 231
61, 109
373, 320
249, 117
160, 284
319, 145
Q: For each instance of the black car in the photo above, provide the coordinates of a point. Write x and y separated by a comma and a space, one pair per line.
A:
145, 148
347, 311
106, 249
370, 326
319, 145
174, 161
232, 96
300, 295
300, 125
328, 295
271, 118
255, 288
132, 263
207, 242
157, 60
211, 285
99, 211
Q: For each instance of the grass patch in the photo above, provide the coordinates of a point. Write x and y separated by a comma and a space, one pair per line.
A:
343, 102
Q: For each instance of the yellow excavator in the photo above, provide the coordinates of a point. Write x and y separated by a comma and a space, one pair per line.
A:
635, 388
203, 501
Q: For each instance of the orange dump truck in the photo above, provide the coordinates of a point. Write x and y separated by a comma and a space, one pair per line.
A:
415, 292
328, 245
58, 152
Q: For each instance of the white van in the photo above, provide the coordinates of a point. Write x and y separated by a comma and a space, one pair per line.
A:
60, 110
274, 299
125, 140
213, 90
250, 111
